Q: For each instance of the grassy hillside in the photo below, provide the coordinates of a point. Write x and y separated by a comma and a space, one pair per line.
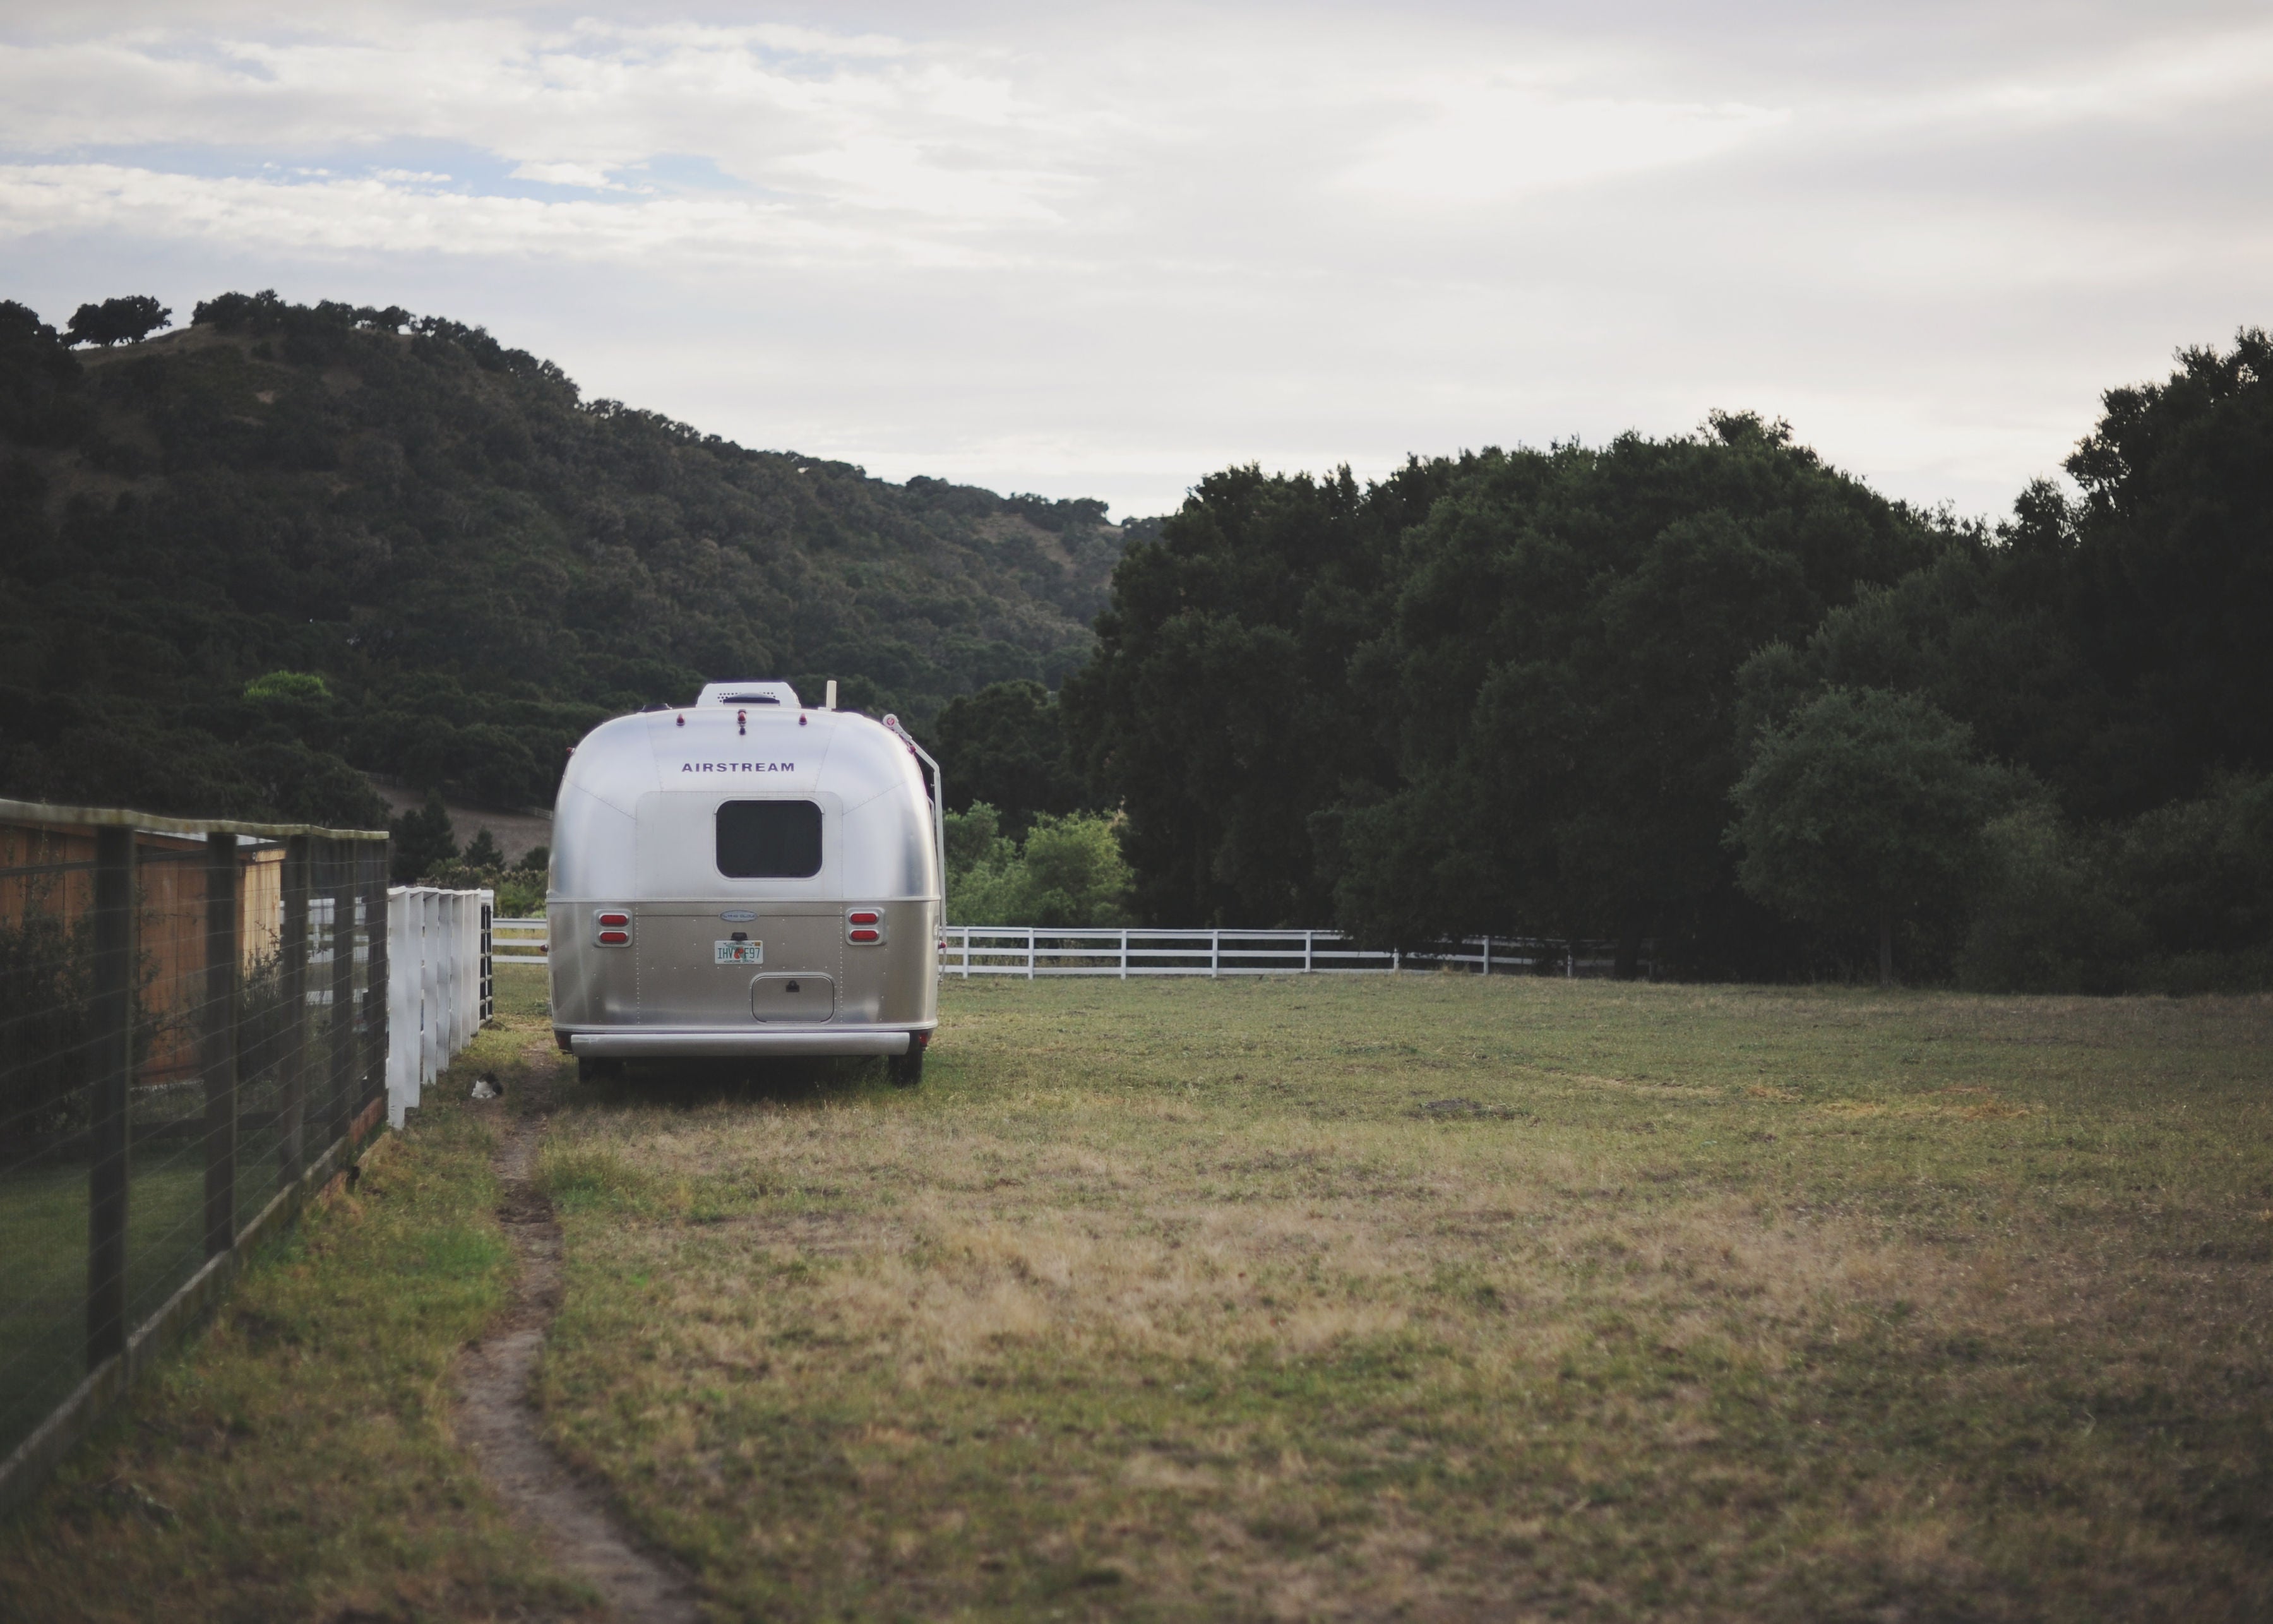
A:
478, 563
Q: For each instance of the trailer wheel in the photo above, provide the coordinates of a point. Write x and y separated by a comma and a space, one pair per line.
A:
906, 1070
591, 1069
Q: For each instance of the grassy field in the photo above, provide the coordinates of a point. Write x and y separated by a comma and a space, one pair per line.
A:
297, 1462
1429, 1298
1436, 1298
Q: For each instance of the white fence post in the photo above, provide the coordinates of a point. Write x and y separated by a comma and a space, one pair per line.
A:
1306, 952
446, 977
422, 911
1125, 955
1215, 953
470, 967
446, 981
401, 1065
1030, 952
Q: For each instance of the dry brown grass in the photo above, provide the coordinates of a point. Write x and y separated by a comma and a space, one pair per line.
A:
1436, 1298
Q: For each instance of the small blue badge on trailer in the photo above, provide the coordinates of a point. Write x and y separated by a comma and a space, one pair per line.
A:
738, 916
740, 952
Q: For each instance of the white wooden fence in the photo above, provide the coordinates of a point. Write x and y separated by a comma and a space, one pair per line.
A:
1034, 951
521, 941
438, 984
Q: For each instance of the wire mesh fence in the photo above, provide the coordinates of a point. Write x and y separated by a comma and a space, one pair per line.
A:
193, 1026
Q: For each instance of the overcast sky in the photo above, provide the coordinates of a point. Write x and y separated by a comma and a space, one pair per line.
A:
1104, 249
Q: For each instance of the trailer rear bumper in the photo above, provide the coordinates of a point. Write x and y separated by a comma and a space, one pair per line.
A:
682, 1045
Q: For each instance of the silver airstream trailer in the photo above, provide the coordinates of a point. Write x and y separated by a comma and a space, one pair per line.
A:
745, 877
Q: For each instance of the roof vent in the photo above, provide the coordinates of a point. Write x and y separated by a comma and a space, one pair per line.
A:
749, 694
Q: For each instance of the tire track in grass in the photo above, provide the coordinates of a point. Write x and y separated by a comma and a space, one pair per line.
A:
496, 1418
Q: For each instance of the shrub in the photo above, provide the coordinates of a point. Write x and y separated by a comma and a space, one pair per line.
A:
287, 685
1069, 871
2047, 917
520, 891
2179, 899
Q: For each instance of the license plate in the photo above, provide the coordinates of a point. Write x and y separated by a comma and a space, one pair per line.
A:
741, 952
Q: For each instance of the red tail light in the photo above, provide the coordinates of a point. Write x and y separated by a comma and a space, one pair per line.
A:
615, 918
864, 927
613, 926
864, 916
614, 938
868, 936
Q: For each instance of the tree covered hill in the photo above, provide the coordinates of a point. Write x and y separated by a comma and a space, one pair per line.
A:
473, 563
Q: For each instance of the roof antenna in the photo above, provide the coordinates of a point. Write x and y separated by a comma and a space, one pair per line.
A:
829, 700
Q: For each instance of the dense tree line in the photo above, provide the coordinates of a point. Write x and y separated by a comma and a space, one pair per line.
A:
472, 563
1496, 691
1711, 692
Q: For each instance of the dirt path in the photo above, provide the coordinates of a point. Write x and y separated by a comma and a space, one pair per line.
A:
496, 1418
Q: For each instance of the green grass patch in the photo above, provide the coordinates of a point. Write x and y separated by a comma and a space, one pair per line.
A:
1439, 1296
521, 992
297, 1461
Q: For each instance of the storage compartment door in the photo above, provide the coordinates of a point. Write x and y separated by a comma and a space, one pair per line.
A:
804, 999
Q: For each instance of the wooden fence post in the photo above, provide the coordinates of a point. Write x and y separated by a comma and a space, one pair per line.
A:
1487, 955
112, 1053
217, 1043
292, 1064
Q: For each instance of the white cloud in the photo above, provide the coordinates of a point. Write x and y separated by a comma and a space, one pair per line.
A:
1487, 142
367, 215
587, 175
1133, 245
